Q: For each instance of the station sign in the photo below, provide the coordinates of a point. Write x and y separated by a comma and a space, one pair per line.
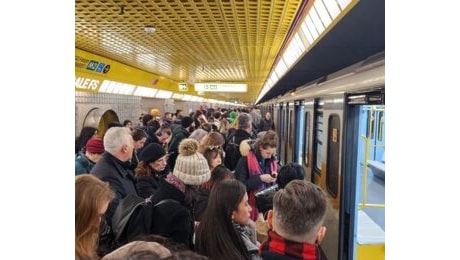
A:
87, 84
92, 65
183, 87
221, 87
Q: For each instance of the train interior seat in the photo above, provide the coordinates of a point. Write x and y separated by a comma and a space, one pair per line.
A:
377, 167
369, 232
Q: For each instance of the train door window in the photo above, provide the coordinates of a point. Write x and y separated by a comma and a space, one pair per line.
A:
381, 126
318, 140
291, 137
333, 150
287, 126
286, 137
370, 126
306, 139
281, 134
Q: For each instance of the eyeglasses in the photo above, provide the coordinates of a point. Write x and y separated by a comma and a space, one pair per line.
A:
214, 147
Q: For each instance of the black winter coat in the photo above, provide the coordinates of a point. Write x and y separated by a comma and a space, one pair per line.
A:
200, 202
266, 125
120, 177
242, 172
172, 220
148, 185
178, 135
232, 155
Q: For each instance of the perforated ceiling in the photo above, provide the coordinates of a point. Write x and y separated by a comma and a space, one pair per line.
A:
195, 41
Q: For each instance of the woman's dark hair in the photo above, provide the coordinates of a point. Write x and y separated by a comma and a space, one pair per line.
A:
186, 255
289, 172
85, 134
220, 173
143, 255
215, 236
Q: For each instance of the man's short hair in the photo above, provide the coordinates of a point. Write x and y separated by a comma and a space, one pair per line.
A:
299, 207
244, 121
115, 138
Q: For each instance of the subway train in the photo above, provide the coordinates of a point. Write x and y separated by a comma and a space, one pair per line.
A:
335, 128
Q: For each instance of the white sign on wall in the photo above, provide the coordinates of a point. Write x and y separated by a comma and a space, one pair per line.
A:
221, 87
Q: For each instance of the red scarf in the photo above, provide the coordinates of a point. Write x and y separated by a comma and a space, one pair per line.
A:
255, 169
280, 246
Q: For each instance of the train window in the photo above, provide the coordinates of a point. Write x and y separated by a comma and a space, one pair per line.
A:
318, 140
370, 126
288, 135
287, 126
292, 137
333, 151
381, 126
306, 139
282, 137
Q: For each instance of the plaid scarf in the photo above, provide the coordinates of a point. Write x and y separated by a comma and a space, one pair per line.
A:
254, 169
280, 246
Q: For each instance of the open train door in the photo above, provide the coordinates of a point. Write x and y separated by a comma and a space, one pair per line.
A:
100, 119
362, 213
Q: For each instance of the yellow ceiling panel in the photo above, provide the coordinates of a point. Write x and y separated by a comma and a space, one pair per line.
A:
195, 40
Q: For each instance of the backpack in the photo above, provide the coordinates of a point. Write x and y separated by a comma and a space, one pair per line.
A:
233, 150
133, 217
232, 153
264, 198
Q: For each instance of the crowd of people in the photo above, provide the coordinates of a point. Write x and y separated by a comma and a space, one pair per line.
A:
203, 173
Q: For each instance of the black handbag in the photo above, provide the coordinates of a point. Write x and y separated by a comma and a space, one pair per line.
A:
264, 198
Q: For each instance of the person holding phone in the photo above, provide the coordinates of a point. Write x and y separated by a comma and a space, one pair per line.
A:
258, 168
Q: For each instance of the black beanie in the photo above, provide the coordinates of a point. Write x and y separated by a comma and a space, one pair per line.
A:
186, 121
151, 153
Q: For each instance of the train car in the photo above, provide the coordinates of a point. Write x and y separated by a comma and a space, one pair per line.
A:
334, 128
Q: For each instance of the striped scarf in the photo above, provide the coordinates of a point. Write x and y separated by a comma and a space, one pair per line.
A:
254, 169
277, 245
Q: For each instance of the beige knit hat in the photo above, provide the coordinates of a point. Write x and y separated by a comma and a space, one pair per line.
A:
191, 167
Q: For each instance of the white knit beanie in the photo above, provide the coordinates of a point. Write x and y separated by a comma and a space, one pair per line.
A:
191, 167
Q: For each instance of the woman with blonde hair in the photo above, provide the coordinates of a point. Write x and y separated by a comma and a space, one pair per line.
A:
92, 197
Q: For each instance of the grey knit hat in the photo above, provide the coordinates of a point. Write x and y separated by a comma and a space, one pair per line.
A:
191, 166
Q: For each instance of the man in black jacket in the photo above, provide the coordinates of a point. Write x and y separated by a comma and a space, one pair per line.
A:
267, 123
179, 134
234, 138
115, 168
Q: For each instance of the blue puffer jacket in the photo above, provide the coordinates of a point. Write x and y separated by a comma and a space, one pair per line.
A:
82, 164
